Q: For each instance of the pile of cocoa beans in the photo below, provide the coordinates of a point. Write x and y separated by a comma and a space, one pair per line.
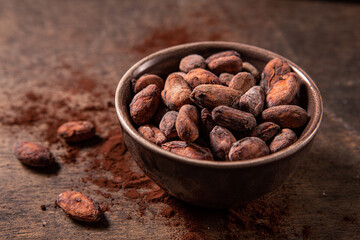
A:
220, 108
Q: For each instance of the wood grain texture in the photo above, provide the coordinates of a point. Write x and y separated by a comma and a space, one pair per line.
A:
43, 44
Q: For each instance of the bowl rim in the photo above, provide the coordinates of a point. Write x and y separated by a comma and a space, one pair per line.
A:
292, 149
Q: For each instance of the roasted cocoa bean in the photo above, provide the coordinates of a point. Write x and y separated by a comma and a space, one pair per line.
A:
210, 96
283, 91
272, 72
284, 139
176, 92
76, 131
78, 206
229, 64
251, 69
221, 140
168, 124
265, 131
152, 133
233, 119
253, 101
187, 123
191, 62
190, 150
242, 82
200, 76
147, 79
248, 148
182, 74
207, 123
144, 105
33, 154
286, 116
225, 78
222, 54
160, 112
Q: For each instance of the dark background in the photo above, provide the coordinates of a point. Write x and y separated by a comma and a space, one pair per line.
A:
102, 39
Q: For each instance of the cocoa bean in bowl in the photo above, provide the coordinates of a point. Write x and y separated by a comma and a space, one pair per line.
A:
223, 143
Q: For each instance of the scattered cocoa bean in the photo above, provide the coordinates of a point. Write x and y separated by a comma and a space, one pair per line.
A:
33, 154
253, 101
229, 64
233, 119
147, 79
286, 116
190, 150
284, 139
144, 105
222, 54
199, 76
283, 91
207, 123
168, 124
79, 206
272, 72
225, 78
210, 96
242, 82
265, 131
152, 133
248, 148
251, 69
176, 92
76, 131
191, 62
221, 141
187, 123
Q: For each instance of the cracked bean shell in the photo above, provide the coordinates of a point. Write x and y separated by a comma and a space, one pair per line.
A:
272, 72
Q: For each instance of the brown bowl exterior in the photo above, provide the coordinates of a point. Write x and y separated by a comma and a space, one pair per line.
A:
210, 183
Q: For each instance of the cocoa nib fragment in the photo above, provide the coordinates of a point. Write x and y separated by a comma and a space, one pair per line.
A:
167, 124
76, 131
284, 139
242, 82
152, 133
190, 150
253, 101
144, 105
200, 76
176, 92
78, 206
272, 72
283, 91
286, 116
191, 62
147, 79
211, 96
187, 123
248, 148
265, 131
233, 119
33, 154
221, 140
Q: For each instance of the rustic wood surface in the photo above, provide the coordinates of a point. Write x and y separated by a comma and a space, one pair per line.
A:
102, 39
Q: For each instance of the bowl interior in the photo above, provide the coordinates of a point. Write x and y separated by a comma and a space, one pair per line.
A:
167, 61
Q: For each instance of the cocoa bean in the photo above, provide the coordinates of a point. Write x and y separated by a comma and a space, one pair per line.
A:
176, 92
168, 124
225, 78
265, 131
272, 72
286, 116
251, 69
76, 131
161, 111
229, 64
242, 82
147, 79
253, 100
222, 54
153, 134
233, 119
221, 140
200, 76
182, 74
207, 123
284, 139
191, 62
190, 150
248, 148
144, 105
33, 154
187, 123
283, 91
78, 206
210, 96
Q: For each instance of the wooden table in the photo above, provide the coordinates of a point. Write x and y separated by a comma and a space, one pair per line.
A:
70, 50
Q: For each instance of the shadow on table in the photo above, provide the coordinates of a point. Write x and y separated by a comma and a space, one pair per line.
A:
102, 224
53, 169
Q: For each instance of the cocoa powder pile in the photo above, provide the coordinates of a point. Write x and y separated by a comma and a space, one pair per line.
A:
106, 163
